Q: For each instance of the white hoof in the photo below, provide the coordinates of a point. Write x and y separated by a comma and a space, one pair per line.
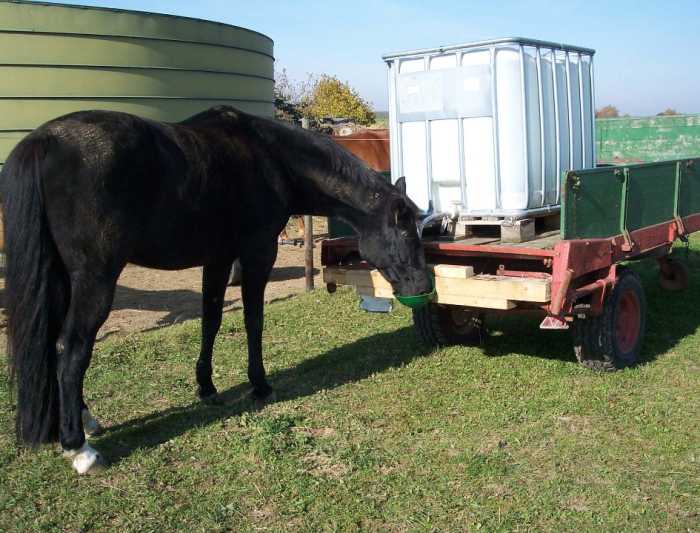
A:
84, 459
91, 426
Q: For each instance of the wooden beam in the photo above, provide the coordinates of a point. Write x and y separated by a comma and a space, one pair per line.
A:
474, 301
518, 289
454, 284
452, 271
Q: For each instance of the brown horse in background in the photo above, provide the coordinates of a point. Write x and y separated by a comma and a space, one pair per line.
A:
372, 146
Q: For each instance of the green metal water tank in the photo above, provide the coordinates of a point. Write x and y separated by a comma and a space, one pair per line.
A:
55, 59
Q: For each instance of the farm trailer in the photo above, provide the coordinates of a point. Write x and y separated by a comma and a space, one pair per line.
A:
575, 276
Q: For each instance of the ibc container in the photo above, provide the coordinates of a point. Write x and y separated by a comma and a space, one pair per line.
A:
487, 128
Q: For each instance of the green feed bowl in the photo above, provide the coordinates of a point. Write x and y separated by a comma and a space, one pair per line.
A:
419, 300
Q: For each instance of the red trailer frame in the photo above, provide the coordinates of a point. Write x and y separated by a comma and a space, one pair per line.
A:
583, 275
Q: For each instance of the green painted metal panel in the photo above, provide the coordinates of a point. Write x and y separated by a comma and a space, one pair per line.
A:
89, 50
651, 194
36, 17
32, 82
638, 140
591, 203
37, 109
609, 201
689, 200
56, 59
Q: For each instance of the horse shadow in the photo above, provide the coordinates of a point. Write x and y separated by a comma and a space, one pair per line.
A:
180, 304
288, 273
669, 321
185, 304
346, 364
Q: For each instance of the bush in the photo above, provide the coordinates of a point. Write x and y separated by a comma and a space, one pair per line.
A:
609, 111
331, 97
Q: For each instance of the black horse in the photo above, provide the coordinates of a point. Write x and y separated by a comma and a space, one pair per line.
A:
88, 192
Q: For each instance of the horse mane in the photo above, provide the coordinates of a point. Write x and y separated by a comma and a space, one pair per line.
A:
338, 169
341, 162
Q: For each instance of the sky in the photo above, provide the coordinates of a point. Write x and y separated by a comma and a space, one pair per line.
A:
647, 60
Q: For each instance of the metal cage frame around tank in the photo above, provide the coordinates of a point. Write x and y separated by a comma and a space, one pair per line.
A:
588, 153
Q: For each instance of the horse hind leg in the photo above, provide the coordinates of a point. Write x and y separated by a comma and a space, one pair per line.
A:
91, 426
257, 259
214, 280
90, 303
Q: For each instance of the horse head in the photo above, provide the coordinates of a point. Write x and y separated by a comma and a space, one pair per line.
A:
391, 242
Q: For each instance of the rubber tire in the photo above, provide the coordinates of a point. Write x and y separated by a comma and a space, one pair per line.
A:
678, 280
436, 326
594, 337
236, 274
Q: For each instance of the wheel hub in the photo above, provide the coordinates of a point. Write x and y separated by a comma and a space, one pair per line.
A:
628, 321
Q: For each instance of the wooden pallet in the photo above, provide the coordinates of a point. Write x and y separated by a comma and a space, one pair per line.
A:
454, 285
511, 230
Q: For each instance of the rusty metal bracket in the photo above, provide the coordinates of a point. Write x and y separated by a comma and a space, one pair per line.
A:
680, 227
623, 175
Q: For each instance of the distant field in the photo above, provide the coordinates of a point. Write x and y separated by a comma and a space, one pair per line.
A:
382, 119
372, 431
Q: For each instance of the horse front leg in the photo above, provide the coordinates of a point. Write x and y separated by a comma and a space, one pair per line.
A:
214, 281
257, 258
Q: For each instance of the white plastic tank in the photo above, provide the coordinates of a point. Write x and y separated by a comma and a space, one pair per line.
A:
487, 128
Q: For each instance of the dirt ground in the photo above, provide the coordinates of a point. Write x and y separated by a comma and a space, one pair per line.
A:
147, 299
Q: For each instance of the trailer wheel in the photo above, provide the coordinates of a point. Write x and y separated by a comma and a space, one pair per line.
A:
613, 340
673, 275
446, 325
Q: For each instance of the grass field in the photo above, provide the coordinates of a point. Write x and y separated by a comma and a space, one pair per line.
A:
371, 431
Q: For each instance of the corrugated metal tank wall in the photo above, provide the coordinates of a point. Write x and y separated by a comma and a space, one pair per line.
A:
55, 59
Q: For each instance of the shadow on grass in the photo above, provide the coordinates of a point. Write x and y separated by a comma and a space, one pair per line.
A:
671, 316
286, 273
334, 368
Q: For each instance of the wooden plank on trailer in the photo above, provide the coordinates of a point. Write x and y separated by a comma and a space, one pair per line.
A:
371, 278
456, 281
452, 271
344, 276
474, 301
507, 288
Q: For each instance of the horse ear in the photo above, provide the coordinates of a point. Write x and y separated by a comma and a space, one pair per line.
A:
401, 185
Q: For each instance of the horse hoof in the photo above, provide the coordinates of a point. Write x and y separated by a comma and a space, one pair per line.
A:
262, 399
212, 399
261, 392
91, 426
86, 460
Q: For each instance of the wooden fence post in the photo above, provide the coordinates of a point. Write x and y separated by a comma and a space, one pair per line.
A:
308, 238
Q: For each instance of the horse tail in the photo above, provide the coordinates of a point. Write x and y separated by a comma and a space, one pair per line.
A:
35, 288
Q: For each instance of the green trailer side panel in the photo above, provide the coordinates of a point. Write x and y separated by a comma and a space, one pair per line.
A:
649, 139
651, 194
689, 201
605, 202
591, 203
